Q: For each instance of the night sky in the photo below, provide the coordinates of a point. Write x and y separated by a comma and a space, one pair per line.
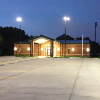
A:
46, 17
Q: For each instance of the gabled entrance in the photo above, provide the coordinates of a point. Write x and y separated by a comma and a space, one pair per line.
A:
42, 46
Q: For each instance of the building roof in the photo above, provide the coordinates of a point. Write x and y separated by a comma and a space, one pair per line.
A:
23, 42
43, 37
60, 41
74, 41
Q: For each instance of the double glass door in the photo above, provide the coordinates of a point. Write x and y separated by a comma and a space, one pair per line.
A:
47, 51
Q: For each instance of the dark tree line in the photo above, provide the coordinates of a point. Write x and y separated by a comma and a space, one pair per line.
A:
9, 35
62, 37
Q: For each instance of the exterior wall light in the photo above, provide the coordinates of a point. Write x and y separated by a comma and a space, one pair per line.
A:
73, 49
15, 48
58, 49
28, 49
41, 49
87, 49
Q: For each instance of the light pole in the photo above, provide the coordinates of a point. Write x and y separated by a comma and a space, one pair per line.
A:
19, 19
66, 19
96, 25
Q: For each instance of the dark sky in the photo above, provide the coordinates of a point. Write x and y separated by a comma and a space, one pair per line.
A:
46, 16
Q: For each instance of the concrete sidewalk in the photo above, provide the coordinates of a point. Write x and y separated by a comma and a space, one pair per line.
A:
51, 79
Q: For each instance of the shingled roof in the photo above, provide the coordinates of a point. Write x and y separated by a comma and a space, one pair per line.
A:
74, 41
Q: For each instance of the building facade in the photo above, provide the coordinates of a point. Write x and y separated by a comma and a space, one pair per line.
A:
45, 46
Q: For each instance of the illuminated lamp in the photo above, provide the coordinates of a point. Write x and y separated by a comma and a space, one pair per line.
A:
58, 49
66, 18
41, 41
87, 49
15, 48
41, 49
19, 19
73, 49
28, 49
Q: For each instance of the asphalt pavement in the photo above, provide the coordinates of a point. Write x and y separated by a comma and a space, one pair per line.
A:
49, 78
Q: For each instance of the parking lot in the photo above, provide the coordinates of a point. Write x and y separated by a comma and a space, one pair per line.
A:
49, 78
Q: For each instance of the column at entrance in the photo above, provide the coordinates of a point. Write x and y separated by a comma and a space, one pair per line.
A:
51, 48
32, 48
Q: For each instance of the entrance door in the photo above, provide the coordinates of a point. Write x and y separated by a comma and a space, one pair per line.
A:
48, 52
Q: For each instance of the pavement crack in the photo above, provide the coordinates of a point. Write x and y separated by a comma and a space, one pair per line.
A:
77, 76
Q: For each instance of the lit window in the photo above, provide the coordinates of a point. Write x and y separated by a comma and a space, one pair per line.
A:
87, 49
83, 51
15, 48
68, 51
73, 49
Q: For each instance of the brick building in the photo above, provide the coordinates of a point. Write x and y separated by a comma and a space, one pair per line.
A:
45, 46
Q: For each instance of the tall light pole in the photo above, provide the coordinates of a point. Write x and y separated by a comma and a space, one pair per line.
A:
96, 25
19, 19
66, 19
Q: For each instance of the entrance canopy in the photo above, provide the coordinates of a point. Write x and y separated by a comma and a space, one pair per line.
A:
42, 45
42, 39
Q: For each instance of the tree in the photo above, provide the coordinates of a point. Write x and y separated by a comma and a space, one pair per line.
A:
62, 37
79, 38
1, 42
11, 35
92, 43
1, 39
87, 38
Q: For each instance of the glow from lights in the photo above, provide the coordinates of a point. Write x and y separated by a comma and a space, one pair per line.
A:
66, 18
28, 49
41, 41
58, 49
41, 49
87, 49
15, 48
73, 49
19, 19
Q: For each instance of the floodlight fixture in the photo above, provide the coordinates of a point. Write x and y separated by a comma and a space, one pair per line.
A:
19, 19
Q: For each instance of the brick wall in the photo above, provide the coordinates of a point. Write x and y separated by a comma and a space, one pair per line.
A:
24, 49
39, 49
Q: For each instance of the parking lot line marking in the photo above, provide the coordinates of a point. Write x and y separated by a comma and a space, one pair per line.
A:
9, 77
12, 71
15, 61
5, 67
15, 71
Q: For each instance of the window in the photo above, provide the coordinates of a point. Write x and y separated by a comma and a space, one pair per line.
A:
68, 51
83, 51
